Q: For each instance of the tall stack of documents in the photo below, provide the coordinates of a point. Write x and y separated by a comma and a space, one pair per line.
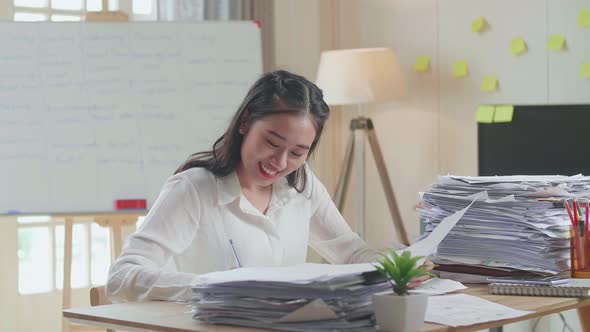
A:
517, 223
307, 297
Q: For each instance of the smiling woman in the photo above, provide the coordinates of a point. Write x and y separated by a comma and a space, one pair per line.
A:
250, 201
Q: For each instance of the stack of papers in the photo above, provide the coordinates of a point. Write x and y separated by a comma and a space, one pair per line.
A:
307, 297
517, 223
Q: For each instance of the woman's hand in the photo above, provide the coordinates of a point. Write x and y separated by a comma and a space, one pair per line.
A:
428, 266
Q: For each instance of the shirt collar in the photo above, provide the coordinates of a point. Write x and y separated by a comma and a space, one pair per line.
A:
228, 190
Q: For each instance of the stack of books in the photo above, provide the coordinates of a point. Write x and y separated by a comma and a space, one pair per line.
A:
307, 297
517, 225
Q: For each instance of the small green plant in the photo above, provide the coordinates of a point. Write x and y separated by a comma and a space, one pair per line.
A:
400, 269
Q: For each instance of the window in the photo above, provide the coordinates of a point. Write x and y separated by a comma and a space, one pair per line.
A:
74, 10
41, 254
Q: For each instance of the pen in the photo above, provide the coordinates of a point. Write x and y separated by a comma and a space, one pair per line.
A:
579, 236
580, 220
576, 243
233, 248
587, 243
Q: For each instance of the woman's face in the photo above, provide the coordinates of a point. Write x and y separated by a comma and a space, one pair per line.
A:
273, 147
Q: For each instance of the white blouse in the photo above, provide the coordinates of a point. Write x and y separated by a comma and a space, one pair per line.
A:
188, 231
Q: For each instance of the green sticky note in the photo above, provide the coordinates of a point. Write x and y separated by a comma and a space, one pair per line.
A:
584, 18
518, 46
556, 42
460, 69
503, 113
485, 114
479, 24
489, 83
422, 63
585, 71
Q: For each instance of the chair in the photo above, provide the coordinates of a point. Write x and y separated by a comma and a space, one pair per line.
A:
98, 297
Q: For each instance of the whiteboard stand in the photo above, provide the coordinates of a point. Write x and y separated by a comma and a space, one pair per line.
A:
115, 223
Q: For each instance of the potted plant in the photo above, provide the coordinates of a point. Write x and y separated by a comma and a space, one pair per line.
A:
400, 311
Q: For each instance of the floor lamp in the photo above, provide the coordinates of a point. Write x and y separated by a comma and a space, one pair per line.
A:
358, 77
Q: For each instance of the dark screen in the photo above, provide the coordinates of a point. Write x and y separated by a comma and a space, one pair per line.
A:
540, 140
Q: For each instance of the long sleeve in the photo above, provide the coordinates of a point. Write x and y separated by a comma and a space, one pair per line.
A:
139, 273
331, 236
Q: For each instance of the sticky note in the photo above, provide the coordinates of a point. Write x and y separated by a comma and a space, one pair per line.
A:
489, 83
518, 46
479, 24
460, 69
584, 18
485, 114
556, 43
422, 63
585, 71
503, 113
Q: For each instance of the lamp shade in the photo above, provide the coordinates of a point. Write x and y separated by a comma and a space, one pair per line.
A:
362, 75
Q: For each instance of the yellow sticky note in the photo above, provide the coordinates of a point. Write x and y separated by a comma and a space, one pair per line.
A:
489, 83
460, 69
556, 42
422, 63
503, 113
485, 114
479, 24
518, 46
585, 71
584, 18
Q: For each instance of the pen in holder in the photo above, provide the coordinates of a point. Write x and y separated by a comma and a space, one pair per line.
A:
579, 238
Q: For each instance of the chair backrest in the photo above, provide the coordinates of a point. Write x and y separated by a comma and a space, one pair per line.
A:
98, 296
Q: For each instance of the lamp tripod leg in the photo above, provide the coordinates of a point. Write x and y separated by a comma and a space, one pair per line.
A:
387, 187
342, 185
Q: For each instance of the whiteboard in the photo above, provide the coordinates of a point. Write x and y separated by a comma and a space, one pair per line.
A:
94, 112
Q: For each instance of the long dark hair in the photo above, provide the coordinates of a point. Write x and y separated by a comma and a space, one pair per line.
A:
275, 92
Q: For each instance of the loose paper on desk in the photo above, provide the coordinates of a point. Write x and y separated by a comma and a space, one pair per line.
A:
438, 286
463, 309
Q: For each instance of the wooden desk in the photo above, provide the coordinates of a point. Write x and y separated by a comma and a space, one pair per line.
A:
172, 317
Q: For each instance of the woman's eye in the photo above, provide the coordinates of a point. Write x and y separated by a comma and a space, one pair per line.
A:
272, 144
296, 154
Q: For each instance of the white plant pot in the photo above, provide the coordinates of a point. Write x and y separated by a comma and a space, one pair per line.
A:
396, 313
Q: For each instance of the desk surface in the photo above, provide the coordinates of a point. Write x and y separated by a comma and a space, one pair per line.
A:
173, 317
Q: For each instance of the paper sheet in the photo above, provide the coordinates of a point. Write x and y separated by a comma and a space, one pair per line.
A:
422, 63
518, 46
463, 309
314, 310
485, 114
584, 18
438, 286
585, 70
504, 113
479, 24
556, 42
489, 83
428, 245
460, 69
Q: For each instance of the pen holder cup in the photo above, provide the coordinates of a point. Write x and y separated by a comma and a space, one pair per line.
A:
580, 268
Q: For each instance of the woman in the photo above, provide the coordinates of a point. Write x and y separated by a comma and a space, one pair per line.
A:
250, 201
